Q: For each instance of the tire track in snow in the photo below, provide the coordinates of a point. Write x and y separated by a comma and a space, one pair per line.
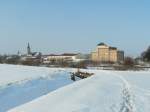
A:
137, 99
127, 104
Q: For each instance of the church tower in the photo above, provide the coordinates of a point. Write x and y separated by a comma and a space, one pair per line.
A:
28, 49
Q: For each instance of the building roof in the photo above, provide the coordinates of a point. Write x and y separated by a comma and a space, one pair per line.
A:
51, 55
100, 44
120, 51
65, 54
113, 48
69, 54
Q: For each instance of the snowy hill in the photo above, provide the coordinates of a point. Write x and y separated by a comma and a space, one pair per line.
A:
107, 91
21, 84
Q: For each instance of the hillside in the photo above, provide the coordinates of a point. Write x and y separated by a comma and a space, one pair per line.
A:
107, 91
21, 84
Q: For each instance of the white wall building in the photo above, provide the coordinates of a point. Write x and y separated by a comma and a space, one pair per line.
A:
63, 57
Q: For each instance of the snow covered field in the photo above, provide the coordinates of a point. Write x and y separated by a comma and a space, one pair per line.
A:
21, 84
51, 90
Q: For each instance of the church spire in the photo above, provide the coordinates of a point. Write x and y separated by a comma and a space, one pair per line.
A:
28, 49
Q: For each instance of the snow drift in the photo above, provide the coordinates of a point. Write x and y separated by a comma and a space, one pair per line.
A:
21, 84
107, 91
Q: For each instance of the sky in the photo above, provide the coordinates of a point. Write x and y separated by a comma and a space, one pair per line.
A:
58, 26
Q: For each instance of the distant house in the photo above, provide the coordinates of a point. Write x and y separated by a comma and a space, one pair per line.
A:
105, 53
66, 57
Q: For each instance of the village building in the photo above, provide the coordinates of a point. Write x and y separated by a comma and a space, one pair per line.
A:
66, 57
31, 56
105, 53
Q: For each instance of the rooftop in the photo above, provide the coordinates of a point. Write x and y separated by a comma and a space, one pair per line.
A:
113, 48
65, 54
100, 44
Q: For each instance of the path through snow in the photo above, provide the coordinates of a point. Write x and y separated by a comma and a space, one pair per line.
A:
107, 91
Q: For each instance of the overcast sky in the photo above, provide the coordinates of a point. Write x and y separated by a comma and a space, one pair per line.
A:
57, 26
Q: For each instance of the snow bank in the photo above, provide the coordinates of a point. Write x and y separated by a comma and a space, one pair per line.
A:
107, 91
15, 73
21, 84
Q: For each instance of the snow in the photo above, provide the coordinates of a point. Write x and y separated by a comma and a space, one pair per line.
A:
41, 89
21, 84
14, 73
106, 91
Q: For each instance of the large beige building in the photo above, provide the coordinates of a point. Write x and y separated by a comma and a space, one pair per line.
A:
105, 53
